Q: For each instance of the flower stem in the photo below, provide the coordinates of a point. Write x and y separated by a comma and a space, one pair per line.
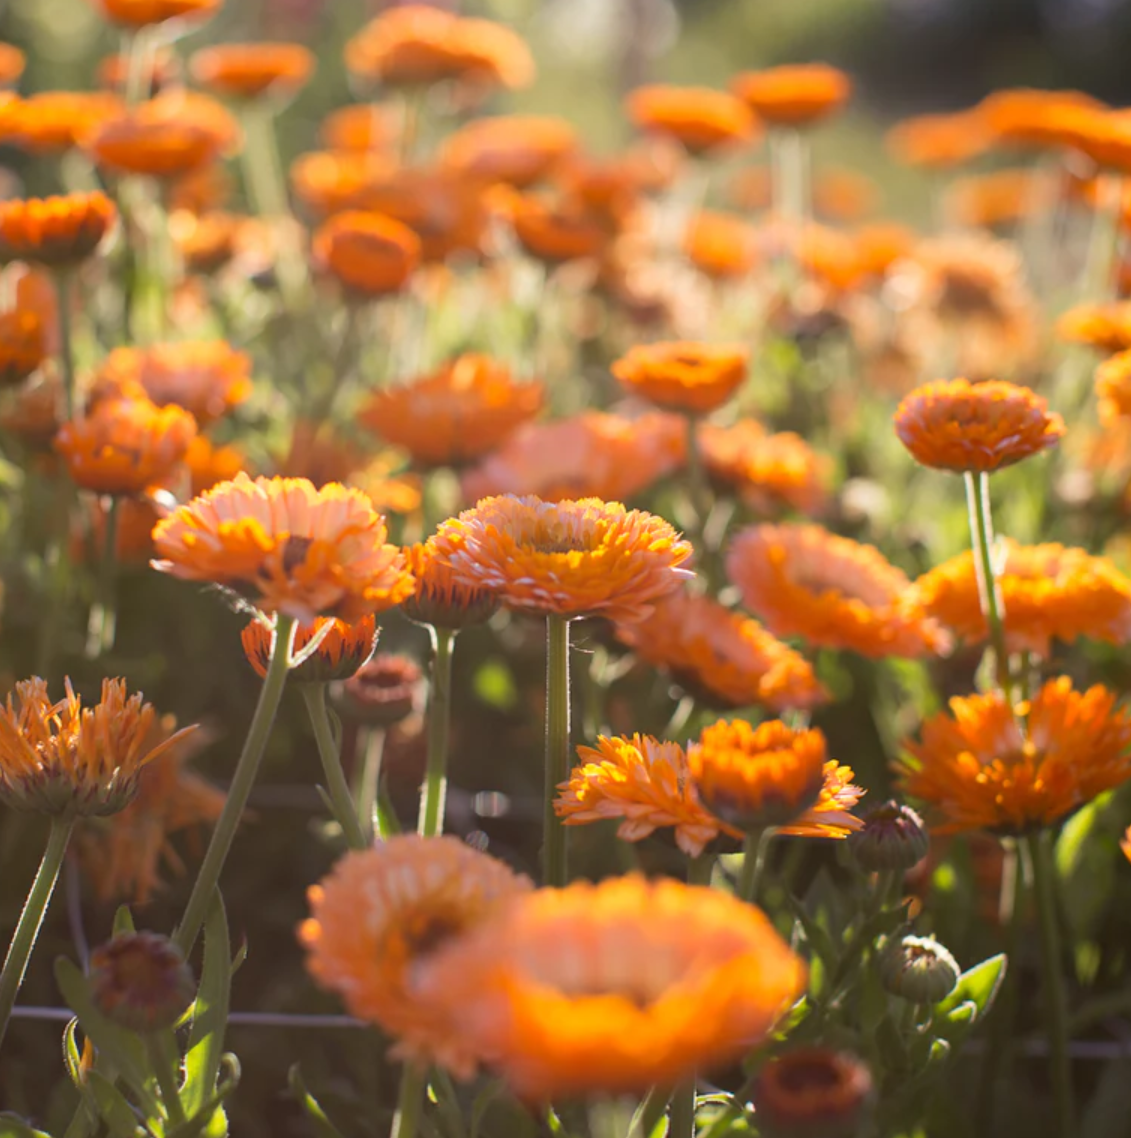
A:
989, 586
242, 781
104, 613
699, 869
754, 850
140, 58
410, 1102
431, 820
27, 930
368, 791
165, 1062
338, 788
554, 869
681, 1121
1056, 1011
63, 288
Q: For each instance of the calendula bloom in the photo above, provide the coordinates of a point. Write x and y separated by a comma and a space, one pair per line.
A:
1105, 327
1003, 197
836, 593
464, 410
12, 63
721, 657
133, 538
209, 464
689, 377
384, 691
701, 120
986, 766
380, 915
794, 94
286, 547
60, 758
23, 345
371, 255
722, 246
938, 141
516, 149
843, 195
330, 182
1113, 387
253, 70
36, 411
1102, 135
143, 13
440, 599
594, 454
360, 128
614, 988
880, 244
1049, 592
50, 122
975, 427
814, 1090
553, 232
341, 651
1030, 118
209, 241
57, 232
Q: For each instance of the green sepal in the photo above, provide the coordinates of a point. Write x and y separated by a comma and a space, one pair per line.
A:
978, 986
322, 1124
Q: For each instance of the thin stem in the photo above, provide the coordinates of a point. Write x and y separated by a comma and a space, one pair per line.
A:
140, 57
242, 781
165, 1063
410, 1102
369, 805
699, 869
64, 282
27, 930
431, 820
104, 613
1103, 242
682, 1116
340, 797
989, 586
554, 869
754, 850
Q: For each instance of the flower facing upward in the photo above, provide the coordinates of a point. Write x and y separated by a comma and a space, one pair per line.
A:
457, 414
835, 592
341, 652
142, 13
794, 95
516, 149
381, 914
253, 70
23, 345
570, 559
699, 119
287, 547
983, 767
614, 988
1105, 327
55, 232
124, 446
440, 599
1113, 388
370, 255
975, 427
61, 758
693, 378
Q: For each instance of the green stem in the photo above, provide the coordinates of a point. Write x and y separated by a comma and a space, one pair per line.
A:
1055, 1006
340, 797
754, 850
64, 282
410, 1102
165, 1063
554, 869
699, 869
27, 930
370, 808
989, 586
247, 768
431, 820
140, 58
104, 612
682, 1116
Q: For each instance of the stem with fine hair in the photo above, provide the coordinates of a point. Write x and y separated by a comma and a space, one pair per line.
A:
247, 768
328, 749
989, 586
165, 1062
554, 868
64, 281
27, 929
431, 821
410, 1102
754, 850
104, 612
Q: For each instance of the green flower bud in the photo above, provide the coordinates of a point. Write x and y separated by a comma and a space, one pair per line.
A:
919, 969
893, 838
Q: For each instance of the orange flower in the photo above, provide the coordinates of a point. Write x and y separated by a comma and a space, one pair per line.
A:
1125, 844
1003, 197
689, 377
466, 409
794, 94
56, 232
938, 141
720, 657
1050, 591
612, 187
203, 190
11, 64
330, 182
359, 128
1113, 387
975, 428
1030, 118
1103, 136
1105, 327
209, 464
836, 593
133, 543
814, 1090
341, 653
571, 559
986, 766
141, 13
701, 120
23, 345
253, 70
553, 232
441, 600
53, 121
371, 255
593, 454
287, 547
722, 246
207, 242
516, 149
378, 918
36, 412
828, 255
61, 759
880, 245
123, 446
843, 195
562, 988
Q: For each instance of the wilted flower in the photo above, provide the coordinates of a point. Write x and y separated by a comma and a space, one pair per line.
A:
813, 1092
141, 981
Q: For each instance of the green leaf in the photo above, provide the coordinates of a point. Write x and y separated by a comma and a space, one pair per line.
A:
113, 1108
322, 1125
72, 1055
211, 1121
13, 1127
123, 921
978, 986
1086, 859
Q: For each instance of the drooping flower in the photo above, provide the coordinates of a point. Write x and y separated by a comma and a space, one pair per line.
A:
701, 120
57, 232
253, 70
371, 255
794, 95
441, 600
694, 378
341, 651
516, 149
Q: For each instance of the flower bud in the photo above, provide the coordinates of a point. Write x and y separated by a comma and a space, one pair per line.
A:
919, 969
813, 1093
141, 981
893, 838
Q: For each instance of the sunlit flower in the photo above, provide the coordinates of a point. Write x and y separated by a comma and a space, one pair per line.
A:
12, 63
369, 254
381, 914
794, 94
50, 122
844, 195
701, 120
880, 244
133, 539
562, 989
1105, 327
359, 127
383, 692
938, 141
814, 1090
329, 182
516, 149
340, 652
207, 242
209, 464
689, 377
23, 345
572, 559
56, 232
554, 232
441, 599
1003, 197
1102, 135
985, 766
722, 246
60, 758
253, 70
287, 547
142, 13
967, 427
1030, 118
1113, 387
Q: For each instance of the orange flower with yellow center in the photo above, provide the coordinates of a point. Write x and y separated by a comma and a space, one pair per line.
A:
795, 95
939, 141
614, 988
253, 70
1113, 388
342, 651
369, 254
380, 915
975, 427
682, 376
835, 592
720, 657
61, 758
57, 232
1105, 327
465, 410
124, 446
516, 149
287, 547
701, 120
53, 121
143, 13
23, 345
440, 599
985, 766
722, 246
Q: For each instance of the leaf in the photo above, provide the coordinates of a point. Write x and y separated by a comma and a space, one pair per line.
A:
13, 1127
211, 1121
322, 1125
1086, 859
113, 1108
978, 986
123, 921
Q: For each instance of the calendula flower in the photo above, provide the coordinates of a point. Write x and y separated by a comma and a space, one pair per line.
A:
836, 593
381, 914
1029, 118
722, 246
794, 95
553, 232
58, 232
572, 559
209, 464
440, 599
721, 657
36, 411
987, 766
143, 13
341, 651
1105, 327
141, 981
462, 411
287, 547
1003, 197
360, 128
50, 122
123, 446
843, 195
209, 241
1113, 387
12, 64
60, 758
516, 149
330, 182
693, 378
23, 345
701, 120
384, 691
814, 1090
253, 70
939, 141
975, 428
561, 989
371, 255
880, 244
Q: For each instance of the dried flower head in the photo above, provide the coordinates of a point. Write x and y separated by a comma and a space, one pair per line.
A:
141, 981
701, 120
693, 378
440, 599
57, 232
341, 651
